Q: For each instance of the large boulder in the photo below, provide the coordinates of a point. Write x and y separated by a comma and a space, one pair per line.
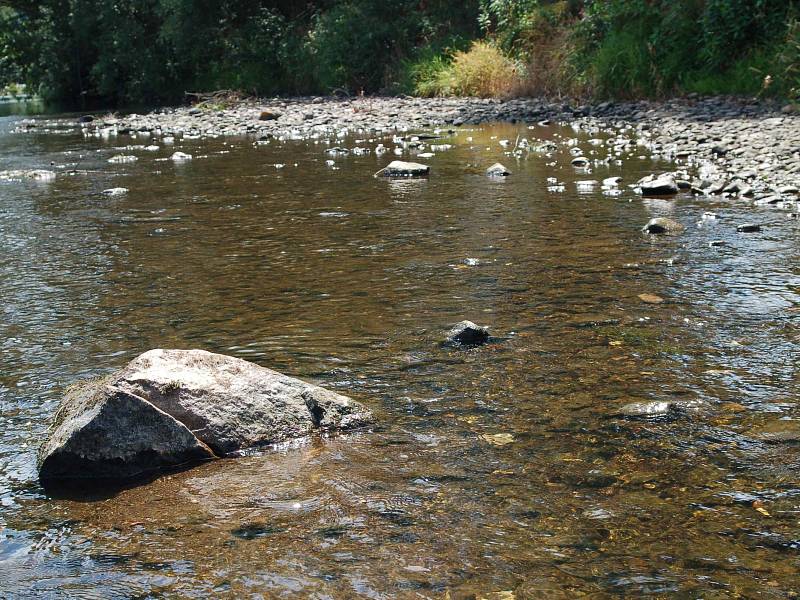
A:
170, 407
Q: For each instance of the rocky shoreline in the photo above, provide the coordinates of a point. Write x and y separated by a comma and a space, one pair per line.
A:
735, 145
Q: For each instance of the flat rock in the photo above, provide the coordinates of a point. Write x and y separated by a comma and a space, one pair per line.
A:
661, 225
467, 333
651, 298
399, 168
170, 407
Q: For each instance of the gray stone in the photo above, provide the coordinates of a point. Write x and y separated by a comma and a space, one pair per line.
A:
467, 333
497, 170
662, 225
662, 186
169, 407
399, 168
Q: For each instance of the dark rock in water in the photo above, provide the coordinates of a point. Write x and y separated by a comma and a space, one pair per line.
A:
662, 186
252, 531
269, 115
748, 228
398, 168
662, 225
171, 407
467, 333
85, 119
717, 243
497, 170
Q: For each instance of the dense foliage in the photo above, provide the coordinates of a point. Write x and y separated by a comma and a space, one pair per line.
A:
140, 51
653, 47
146, 51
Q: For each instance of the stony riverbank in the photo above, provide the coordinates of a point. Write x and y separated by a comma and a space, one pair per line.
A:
733, 144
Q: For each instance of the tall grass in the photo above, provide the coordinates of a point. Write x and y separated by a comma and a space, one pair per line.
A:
482, 71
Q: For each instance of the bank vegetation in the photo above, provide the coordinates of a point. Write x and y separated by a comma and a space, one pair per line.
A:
113, 53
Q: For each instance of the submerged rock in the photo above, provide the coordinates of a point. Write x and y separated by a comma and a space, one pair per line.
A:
36, 174
467, 333
647, 409
497, 170
662, 225
170, 407
399, 168
778, 432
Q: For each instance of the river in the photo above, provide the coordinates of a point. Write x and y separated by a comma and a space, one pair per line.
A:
506, 471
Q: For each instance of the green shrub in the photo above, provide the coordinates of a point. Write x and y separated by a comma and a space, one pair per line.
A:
428, 76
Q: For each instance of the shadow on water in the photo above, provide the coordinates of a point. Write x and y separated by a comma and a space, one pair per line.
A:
96, 489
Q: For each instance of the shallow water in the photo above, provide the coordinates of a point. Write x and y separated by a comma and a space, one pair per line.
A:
503, 470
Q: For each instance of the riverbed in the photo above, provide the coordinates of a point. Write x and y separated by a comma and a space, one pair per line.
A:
631, 429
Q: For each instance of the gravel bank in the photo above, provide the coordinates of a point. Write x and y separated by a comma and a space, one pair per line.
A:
732, 145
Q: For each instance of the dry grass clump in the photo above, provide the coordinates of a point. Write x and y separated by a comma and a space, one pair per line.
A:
482, 71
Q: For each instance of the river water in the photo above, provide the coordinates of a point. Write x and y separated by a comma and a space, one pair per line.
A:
501, 472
